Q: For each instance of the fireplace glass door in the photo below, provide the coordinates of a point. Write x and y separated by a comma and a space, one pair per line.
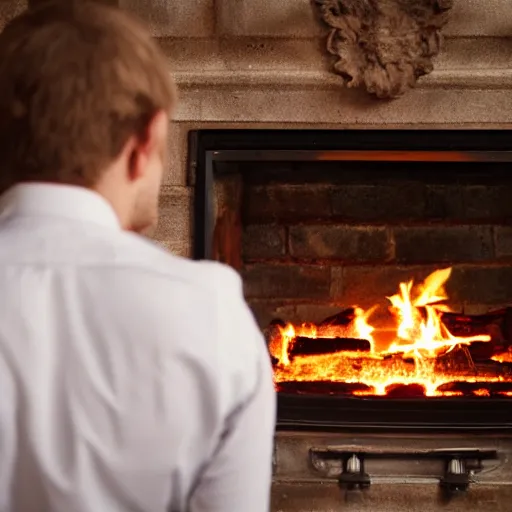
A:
377, 263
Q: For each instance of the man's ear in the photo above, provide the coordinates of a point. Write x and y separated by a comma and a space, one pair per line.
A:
141, 148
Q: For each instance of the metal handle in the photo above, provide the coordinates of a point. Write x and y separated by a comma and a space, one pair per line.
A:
460, 464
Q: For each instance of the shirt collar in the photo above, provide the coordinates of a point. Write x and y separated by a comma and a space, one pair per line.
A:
56, 200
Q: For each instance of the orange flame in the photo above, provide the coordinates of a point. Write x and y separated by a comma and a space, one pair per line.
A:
411, 357
417, 336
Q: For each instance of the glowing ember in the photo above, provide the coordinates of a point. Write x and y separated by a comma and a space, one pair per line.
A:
503, 358
412, 357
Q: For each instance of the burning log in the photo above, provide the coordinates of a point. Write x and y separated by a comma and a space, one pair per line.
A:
341, 319
405, 391
273, 330
482, 350
315, 346
322, 388
476, 388
277, 322
427, 351
497, 324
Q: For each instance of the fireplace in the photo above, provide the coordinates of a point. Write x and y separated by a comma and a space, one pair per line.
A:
379, 266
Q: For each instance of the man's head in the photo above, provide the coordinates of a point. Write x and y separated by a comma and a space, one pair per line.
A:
85, 95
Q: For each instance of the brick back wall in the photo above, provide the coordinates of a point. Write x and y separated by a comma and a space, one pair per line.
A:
316, 243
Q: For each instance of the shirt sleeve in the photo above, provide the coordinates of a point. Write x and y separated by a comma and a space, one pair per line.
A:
238, 476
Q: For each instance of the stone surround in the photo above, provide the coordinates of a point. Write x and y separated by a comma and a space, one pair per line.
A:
247, 64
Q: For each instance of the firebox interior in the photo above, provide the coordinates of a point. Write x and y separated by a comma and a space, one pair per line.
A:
378, 264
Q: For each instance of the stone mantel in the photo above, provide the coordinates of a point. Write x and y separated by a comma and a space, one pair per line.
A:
256, 62
263, 59
263, 80
249, 61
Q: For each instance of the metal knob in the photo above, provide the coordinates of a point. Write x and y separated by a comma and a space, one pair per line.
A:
456, 467
354, 464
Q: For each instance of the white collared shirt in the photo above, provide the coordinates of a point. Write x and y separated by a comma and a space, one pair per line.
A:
130, 380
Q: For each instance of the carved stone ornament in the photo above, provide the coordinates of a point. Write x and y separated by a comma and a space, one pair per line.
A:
384, 45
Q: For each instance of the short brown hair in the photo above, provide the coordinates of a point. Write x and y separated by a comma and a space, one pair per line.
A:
77, 80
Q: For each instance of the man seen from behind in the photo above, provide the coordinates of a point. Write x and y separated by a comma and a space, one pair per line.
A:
131, 380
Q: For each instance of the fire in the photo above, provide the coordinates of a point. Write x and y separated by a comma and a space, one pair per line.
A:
416, 335
503, 358
411, 358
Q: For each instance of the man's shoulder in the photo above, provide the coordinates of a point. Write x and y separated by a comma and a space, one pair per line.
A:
192, 308
141, 255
